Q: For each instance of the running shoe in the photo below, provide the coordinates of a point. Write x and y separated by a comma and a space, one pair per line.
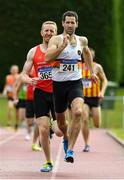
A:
65, 145
86, 148
47, 167
35, 147
69, 156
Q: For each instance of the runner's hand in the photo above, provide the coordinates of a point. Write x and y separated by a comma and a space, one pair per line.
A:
15, 101
66, 40
101, 96
34, 80
94, 77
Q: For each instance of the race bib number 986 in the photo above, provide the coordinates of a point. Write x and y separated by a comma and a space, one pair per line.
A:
44, 73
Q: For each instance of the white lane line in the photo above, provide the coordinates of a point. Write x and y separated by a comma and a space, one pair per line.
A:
9, 139
55, 169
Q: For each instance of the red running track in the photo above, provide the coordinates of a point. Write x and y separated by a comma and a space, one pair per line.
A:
17, 161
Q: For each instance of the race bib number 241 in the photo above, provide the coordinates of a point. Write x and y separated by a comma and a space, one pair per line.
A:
68, 65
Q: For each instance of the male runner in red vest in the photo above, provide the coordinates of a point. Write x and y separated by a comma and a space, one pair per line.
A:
43, 98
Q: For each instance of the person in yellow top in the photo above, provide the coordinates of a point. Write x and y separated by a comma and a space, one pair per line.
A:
93, 95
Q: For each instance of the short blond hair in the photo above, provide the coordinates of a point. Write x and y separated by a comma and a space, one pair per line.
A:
49, 22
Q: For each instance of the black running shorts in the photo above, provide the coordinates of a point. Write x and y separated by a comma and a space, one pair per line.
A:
29, 109
43, 104
65, 92
92, 101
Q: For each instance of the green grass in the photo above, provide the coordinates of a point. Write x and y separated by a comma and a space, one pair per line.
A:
118, 133
3, 112
111, 117
120, 92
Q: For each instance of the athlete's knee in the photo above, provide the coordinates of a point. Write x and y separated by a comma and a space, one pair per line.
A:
44, 130
85, 122
76, 126
56, 129
58, 133
62, 125
78, 113
97, 124
43, 127
85, 116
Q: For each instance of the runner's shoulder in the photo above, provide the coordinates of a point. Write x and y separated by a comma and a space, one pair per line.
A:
83, 40
32, 51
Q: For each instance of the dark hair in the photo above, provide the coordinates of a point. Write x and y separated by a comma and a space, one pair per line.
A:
70, 13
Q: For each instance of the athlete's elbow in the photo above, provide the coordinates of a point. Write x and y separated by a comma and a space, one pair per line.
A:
22, 76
